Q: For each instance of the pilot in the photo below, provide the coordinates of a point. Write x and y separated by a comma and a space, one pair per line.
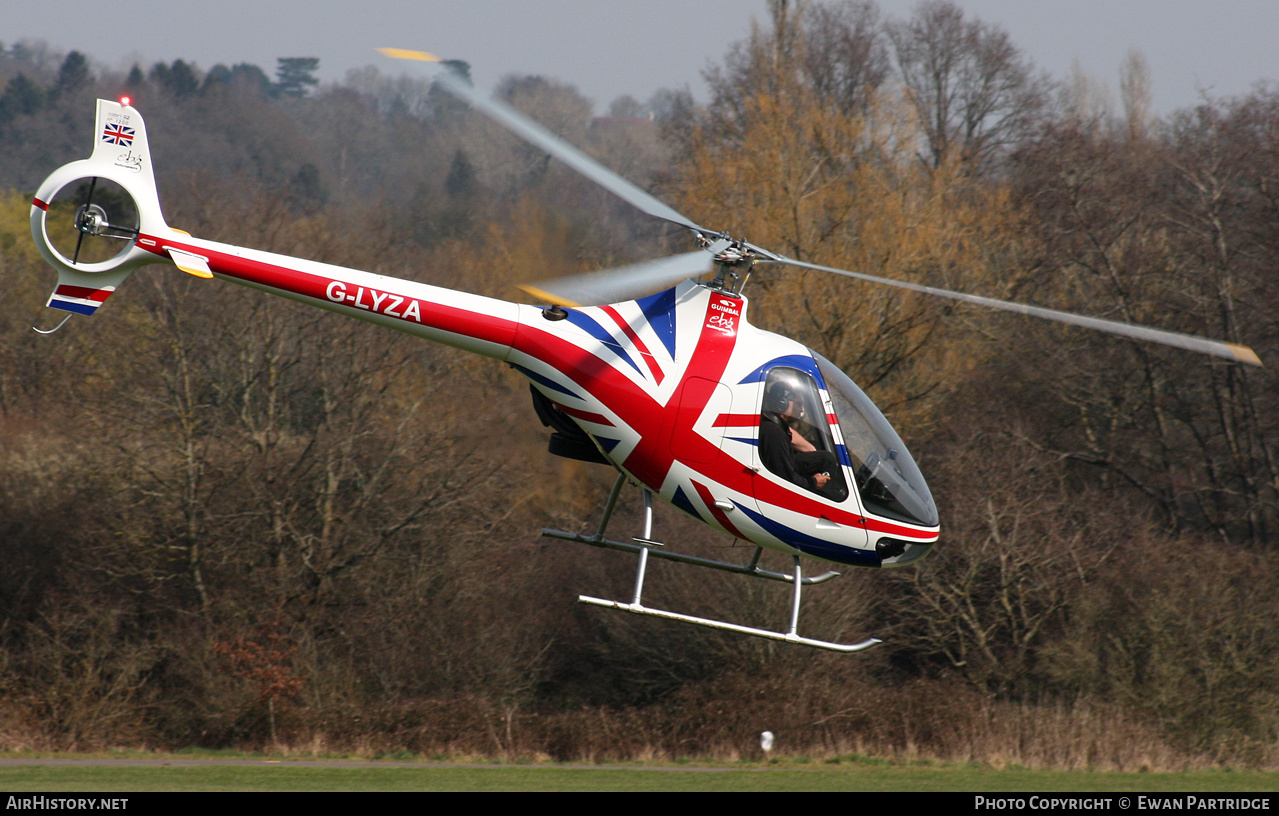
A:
782, 448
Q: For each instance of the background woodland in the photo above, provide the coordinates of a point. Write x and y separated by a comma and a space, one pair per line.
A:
231, 521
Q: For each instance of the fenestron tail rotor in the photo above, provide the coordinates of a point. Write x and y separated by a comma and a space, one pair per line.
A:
83, 215
640, 279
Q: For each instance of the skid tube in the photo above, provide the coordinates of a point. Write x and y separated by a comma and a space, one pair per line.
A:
644, 545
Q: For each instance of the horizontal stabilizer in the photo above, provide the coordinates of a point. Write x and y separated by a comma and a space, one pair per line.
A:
190, 263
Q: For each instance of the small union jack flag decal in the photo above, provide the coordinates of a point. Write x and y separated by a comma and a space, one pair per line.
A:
118, 135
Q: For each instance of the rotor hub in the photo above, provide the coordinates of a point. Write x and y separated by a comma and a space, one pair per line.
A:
91, 219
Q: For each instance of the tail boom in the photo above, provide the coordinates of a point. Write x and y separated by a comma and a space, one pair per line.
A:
470, 322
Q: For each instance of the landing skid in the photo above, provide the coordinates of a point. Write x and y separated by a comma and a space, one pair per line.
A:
645, 545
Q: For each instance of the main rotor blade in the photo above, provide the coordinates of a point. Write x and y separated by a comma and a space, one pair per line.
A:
535, 134
621, 283
1203, 345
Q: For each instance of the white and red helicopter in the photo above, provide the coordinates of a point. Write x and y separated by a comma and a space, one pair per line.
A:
652, 368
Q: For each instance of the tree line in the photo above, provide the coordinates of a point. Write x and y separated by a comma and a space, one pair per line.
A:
226, 520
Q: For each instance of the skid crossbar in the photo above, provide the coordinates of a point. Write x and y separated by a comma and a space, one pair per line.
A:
642, 545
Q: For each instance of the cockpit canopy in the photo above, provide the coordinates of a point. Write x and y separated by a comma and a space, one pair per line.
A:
886, 476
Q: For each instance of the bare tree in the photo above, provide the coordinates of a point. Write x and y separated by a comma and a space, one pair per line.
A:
973, 91
1134, 91
1019, 553
845, 53
837, 52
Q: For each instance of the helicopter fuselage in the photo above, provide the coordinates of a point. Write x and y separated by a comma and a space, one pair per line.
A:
670, 388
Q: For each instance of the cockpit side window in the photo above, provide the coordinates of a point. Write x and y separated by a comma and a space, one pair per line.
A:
794, 435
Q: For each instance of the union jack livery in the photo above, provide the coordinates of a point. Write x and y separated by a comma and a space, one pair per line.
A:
654, 370
117, 134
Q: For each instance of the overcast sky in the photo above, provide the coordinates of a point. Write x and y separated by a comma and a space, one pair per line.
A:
612, 47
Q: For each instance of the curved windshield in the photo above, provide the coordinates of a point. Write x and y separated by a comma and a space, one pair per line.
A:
887, 477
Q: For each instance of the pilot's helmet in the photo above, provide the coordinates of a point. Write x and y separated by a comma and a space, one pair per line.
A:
784, 385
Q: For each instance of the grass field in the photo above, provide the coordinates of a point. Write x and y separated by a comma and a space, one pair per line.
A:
69, 774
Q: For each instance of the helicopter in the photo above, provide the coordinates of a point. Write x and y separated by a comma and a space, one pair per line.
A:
653, 369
